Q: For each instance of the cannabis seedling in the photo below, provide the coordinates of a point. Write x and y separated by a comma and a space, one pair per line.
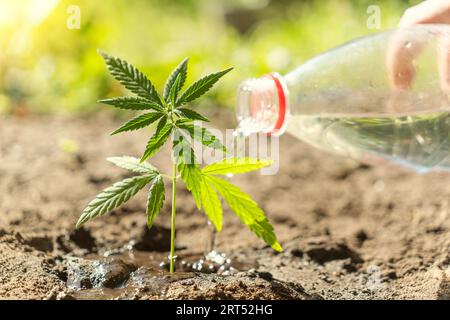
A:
175, 119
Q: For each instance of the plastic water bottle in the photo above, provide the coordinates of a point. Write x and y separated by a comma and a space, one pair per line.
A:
381, 97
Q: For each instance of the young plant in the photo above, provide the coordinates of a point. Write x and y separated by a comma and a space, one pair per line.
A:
173, 117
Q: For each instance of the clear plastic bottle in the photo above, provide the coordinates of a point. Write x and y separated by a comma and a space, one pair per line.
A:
357, 100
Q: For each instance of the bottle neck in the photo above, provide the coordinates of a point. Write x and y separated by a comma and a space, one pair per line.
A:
262, 105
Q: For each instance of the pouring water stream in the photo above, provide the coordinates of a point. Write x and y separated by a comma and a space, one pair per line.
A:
211, 255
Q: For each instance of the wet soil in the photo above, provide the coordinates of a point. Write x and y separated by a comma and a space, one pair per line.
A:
349, 231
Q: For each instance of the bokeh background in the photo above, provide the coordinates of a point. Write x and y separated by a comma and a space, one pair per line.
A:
46, 67
343, 225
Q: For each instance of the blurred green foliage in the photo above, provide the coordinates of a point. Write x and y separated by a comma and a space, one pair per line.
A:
47, 67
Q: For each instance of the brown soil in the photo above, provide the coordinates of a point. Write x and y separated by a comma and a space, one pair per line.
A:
349, 231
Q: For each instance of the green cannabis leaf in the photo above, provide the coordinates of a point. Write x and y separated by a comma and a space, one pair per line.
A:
191, 175
201, 86
202, 135
131, 78
174, 91
235, 166
173, 118
179, 72
246, 209
211, 203
157, 141
190, 114
187, 166
207, 183
113, 197
133, 164
132, 103
155, 200
139, 122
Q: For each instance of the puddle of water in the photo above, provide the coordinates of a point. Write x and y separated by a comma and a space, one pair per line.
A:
147, 273
143, 279
211, 262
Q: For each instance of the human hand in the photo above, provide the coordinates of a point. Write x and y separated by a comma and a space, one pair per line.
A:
403, 51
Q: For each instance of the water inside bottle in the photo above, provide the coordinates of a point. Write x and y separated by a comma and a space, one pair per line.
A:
419, 141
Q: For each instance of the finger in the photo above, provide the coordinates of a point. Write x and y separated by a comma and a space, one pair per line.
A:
430, 11
402, 51
443, 58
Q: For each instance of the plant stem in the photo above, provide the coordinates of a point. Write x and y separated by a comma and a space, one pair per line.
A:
172, 233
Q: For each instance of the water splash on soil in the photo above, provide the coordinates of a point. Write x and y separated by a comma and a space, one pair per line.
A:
121, 273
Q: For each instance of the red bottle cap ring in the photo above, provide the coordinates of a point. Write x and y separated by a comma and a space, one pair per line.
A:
279, 124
